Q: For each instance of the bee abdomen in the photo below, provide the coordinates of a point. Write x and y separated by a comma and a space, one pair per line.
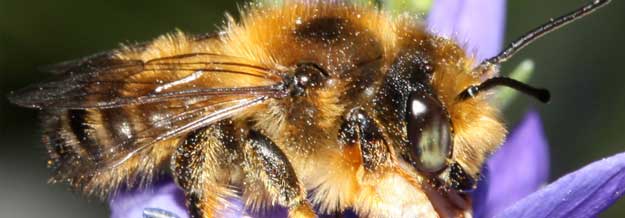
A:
77, 140
65, 150
84, 133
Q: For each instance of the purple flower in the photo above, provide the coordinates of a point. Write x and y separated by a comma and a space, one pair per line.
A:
164, 196
478, 25
514, 177
515, 174
518, 168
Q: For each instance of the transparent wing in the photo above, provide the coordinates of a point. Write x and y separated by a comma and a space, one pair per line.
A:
127, 82
109, 113
199, 115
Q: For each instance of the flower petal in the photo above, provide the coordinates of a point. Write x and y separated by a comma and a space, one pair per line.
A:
583, 193
164, 195
516, 170
164, 198
479, 23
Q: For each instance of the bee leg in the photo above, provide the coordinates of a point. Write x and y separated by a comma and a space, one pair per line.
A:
196, 164
382, 190
279, 176
360, 129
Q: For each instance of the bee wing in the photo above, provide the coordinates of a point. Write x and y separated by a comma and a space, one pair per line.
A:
107, 114
127, 82
194, 117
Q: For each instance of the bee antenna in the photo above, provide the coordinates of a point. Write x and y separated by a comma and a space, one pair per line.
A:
542, 95
539, 32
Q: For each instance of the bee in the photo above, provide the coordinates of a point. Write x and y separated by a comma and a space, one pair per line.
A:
326, 104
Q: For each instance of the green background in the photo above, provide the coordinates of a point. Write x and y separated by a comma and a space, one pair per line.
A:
580, 64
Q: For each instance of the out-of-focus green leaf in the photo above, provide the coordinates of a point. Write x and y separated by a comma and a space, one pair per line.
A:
364, 2
410, 6
394, 6
272, 2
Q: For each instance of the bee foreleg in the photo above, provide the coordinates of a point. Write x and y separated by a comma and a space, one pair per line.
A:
381, 189
359, 129
265, 159
196, 166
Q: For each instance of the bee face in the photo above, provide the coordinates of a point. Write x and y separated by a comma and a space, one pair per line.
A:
417, 117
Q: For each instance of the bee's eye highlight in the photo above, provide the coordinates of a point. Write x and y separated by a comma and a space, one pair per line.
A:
429, 133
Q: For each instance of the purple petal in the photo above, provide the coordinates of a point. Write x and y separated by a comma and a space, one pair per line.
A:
479, 23
583, 193
163, 195
235, 209
516, 170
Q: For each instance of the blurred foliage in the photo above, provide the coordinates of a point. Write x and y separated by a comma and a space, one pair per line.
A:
410, 6
580, 64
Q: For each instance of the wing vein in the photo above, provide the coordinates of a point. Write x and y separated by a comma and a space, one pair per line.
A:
213, 117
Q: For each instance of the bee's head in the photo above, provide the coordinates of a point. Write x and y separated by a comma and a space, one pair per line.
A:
433, 110
415, 118
435, 117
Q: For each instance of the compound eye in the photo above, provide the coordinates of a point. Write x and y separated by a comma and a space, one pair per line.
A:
429, 133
